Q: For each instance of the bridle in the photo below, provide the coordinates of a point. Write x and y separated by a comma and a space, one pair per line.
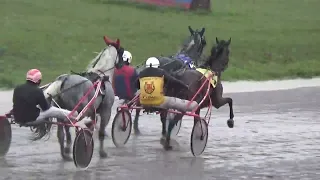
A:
201, 44
114, 66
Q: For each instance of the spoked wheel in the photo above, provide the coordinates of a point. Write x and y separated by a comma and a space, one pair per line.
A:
176, 127
199, 137
42, 130
33, 129
121, 128
5, 136
47, 126
83, 148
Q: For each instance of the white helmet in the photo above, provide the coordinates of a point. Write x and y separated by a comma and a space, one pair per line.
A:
152, 62
127, 56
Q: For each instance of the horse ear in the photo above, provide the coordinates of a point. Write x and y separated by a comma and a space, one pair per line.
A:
118, 43
106, 40
229, 41
190, 29
217, 41
202, 31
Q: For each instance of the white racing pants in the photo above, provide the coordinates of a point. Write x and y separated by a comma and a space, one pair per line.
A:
178, 104
54, 112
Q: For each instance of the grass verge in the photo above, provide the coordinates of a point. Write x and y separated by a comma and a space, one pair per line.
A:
270, 39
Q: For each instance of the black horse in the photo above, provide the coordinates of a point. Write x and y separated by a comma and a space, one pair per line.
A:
190, 52
217, 62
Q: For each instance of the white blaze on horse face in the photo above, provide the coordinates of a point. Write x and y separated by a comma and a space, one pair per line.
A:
53, 89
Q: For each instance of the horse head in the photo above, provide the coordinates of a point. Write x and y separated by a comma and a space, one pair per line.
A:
108, 59
219, 58
194, 45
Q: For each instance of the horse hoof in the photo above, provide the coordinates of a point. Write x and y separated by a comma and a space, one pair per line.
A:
230, 123
137, 132
66, 157
167, 147
67, 150
163, 141
103, 154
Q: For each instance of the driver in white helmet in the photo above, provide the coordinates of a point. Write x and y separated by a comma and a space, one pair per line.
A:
124, 79
151, 85
127, 57
26, 98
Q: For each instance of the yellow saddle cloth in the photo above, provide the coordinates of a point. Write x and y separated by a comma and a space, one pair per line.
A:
207, 73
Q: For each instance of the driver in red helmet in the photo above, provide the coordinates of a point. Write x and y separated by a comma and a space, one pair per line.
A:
26, 98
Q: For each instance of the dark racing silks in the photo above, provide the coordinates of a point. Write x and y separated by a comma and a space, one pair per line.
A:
124, 83
26, 97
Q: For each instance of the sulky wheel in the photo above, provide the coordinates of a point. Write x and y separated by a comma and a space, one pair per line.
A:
83, 148
177, 126
33, 129
5, 136
199, 137
121, 128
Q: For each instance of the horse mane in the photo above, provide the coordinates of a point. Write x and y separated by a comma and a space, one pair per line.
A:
103, 60
214, 62
208, 60
94, 60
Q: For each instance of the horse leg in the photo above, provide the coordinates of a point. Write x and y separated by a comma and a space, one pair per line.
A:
219, 101
67, 149
195, 119
105, 117
163, 118
105, 113
60, 135
177, 118
135, 123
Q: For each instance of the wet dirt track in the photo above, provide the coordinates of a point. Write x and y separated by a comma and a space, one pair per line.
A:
276, 136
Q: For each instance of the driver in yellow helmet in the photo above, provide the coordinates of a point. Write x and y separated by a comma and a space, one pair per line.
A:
151, 85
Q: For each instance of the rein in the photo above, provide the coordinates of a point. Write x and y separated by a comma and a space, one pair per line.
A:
95, 63
80, 74
68, 88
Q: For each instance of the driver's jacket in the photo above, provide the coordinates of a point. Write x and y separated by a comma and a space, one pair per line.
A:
151, 84
124, 82
25, 99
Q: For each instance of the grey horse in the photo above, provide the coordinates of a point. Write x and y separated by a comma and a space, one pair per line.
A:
68, 89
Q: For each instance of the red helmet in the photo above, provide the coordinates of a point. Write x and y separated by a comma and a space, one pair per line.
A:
34, 75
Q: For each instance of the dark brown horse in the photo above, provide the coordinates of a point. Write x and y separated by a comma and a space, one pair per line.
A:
217, 62
192, 49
